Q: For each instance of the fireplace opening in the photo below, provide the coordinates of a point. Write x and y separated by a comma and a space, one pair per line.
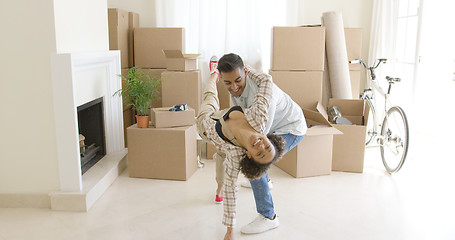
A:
92, 140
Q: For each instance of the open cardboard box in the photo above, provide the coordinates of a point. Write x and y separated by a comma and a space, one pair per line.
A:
177, 61
313, 155
163, 118
349, 148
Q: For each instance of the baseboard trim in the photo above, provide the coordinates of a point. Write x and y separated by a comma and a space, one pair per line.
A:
15, 200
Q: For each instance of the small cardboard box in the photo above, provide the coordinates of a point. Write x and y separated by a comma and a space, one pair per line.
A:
313, 155
349, 148
298, 48
133, 22
181, 87
353, 38
304, 87
177, 61
162, 153
163, 118
118, 33
149, 44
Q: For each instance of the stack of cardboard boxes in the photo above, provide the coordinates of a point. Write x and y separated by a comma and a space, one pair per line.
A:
298, 61
299, 68
167, 150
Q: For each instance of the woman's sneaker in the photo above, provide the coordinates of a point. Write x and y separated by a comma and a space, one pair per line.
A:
218, 199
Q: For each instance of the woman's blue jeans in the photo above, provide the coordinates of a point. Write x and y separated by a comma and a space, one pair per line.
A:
261, 191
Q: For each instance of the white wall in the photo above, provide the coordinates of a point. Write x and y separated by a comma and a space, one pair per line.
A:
28, 160
145, 9
27, 144
81, 25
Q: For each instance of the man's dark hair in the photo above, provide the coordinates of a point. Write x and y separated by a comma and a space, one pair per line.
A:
253, 170
229, 62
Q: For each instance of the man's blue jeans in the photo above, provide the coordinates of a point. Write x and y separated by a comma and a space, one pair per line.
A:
261, 191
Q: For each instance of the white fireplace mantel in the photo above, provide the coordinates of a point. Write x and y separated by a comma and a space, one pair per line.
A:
101, 69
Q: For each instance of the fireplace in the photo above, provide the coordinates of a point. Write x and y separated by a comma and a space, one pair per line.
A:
83, 87
92, 142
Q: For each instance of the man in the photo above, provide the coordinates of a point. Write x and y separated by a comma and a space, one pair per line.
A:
284, 118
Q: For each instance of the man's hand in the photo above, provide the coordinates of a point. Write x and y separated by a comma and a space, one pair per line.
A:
229, 234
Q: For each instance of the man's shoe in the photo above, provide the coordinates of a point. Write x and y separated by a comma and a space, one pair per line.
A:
246, 183
218, 199
260, 224
213, 64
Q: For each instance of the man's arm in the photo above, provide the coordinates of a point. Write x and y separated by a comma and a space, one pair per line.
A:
257, 114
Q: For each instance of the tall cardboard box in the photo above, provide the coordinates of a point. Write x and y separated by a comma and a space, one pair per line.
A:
133, 22
162, 153
298, 48
118, 33
149, 44
313, 155
355, 83
128, 120
181, 87
353, 38
304, 87
349, 148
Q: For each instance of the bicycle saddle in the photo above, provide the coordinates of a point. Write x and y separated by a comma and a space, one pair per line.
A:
392, 79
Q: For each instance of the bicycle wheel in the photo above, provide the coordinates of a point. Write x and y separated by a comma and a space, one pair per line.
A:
371, 124
394, 139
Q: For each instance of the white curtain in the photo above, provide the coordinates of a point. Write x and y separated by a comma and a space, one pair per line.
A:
217, 27
383, 32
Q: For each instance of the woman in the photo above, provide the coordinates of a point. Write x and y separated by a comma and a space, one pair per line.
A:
237, 132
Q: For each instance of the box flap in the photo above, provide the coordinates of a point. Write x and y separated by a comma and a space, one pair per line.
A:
173, 53
318, 124
191, 56
179, 54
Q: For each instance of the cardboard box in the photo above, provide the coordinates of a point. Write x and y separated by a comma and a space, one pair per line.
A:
181, 87
128, 120
118, 33
349, 148
304, 87
163, 118
298, 48
353, 38
133, 22
355, 83
155, 73
149, 44
177, 61
162, 153
211, 150
313, 155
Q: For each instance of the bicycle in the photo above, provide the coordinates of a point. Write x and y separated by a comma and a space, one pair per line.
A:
393, 139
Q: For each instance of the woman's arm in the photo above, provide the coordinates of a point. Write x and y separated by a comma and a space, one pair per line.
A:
257, 114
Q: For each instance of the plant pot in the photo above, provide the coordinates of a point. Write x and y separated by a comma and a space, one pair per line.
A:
142, 121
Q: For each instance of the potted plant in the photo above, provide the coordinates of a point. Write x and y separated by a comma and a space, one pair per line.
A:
139, 92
